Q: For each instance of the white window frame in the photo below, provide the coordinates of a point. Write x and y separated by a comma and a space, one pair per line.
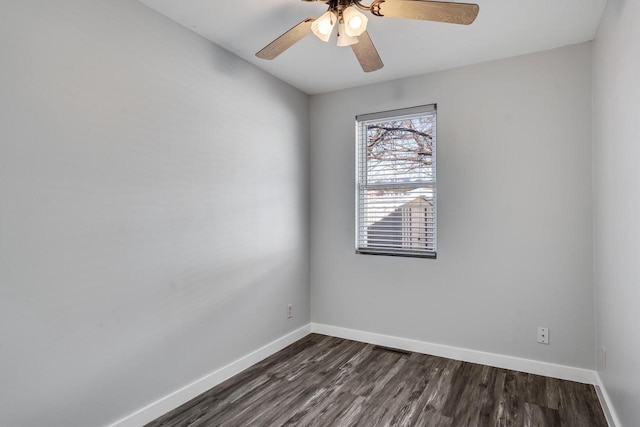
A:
372, 241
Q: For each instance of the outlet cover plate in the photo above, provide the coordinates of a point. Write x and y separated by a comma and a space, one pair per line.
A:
543, 335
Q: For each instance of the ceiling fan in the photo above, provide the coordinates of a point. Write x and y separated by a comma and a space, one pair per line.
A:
352, 24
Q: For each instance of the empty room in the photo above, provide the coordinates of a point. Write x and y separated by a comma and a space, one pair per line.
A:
319, 213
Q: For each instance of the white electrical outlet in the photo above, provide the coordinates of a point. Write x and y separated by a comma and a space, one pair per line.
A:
604, 357
543, 335
289, 311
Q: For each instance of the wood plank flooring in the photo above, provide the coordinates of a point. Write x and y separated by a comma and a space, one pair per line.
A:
326, 381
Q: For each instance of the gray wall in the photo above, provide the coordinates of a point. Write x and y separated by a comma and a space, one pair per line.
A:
514, 212
617, 204
153, 209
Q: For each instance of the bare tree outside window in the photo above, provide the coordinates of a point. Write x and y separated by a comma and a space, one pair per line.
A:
396, 209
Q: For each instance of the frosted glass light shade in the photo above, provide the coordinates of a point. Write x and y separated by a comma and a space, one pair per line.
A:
345, 39
323, 26
355, 21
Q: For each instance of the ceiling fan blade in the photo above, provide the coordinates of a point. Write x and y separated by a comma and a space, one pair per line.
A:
367, 54
285, 41
453, 13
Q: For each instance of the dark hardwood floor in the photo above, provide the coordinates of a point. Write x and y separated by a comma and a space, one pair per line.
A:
326, 381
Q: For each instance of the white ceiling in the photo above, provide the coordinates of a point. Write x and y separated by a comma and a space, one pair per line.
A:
407, 47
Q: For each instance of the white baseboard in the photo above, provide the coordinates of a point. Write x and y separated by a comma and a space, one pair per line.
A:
607, 406
491, 359
188, 392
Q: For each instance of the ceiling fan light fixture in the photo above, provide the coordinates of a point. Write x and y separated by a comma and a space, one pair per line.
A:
323, 26
344, 39
355, 21
352, 24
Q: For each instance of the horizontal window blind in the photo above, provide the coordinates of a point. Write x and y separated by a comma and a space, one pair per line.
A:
396, 182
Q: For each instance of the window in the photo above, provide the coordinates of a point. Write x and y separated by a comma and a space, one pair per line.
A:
396, 182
